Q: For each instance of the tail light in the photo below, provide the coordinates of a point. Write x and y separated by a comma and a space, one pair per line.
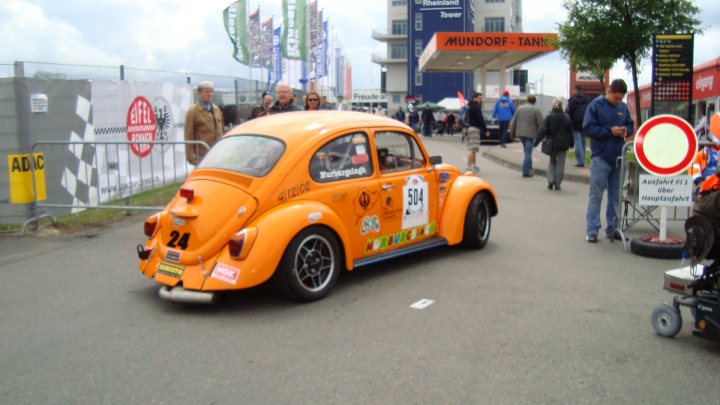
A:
187, 193
150, 225
240, 244
143, 253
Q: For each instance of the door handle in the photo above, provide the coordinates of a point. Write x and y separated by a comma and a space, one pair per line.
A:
388, 186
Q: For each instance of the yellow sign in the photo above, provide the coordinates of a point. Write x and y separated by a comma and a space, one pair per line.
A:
20, 169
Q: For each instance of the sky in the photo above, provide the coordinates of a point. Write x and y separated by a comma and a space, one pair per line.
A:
185, 35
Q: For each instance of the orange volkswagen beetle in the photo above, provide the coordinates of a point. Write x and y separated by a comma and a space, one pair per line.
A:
298, 197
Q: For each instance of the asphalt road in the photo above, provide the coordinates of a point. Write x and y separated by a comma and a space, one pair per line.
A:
537, 317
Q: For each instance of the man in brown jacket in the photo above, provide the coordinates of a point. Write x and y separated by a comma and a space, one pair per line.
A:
203, 122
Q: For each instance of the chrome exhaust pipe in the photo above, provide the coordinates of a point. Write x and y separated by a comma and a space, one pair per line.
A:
179, 294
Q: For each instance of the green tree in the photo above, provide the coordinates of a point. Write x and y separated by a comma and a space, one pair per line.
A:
579, 45
599, 31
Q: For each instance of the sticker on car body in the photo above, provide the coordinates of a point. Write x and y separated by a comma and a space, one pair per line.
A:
370, 224
415, 202
172, 255
399, 238
171, 270
225, 273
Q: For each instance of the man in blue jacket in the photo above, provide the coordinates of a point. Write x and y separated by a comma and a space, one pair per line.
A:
607, 122
503, 112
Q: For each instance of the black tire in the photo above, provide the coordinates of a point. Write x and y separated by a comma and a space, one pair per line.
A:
666, 320
651, 246
310, 265
476, 231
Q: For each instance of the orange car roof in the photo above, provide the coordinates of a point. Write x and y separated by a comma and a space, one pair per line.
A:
299, 127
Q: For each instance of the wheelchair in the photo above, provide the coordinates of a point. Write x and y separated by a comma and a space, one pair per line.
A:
697, 286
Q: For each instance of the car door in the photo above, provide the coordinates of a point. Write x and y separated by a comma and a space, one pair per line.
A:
408, 192
344, 169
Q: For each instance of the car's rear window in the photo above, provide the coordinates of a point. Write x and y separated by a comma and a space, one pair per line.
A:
254, 155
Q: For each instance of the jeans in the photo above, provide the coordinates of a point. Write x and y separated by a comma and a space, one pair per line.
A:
427, 129
527, 161
556, 168
602, 176
503, 131
579, 147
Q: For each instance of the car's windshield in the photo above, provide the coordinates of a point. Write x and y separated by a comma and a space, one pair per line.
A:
254, 155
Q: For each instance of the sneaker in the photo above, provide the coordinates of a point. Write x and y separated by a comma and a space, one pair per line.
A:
591, 238
557, 187
474, 169
551, 186
528, 175
503, 146
579, 165
615, 235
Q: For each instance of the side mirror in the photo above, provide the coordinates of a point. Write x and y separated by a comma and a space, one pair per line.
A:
435, 160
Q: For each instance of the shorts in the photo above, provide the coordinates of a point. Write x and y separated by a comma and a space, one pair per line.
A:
472, 139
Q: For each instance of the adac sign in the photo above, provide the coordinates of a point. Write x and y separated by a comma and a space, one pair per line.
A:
20, 178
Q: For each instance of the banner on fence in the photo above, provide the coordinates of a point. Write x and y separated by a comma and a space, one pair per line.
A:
133, 111
20, 178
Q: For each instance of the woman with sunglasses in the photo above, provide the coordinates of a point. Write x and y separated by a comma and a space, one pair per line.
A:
312, 101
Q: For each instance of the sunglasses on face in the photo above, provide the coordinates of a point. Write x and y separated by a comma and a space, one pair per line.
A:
312, 99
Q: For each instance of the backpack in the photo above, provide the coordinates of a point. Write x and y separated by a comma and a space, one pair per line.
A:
464, 117
578, 107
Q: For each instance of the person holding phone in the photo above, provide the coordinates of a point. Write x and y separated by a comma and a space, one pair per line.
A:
607, 122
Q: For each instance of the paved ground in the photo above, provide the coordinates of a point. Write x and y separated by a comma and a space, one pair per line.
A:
512, 157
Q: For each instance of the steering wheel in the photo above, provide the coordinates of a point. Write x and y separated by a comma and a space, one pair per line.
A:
335, 161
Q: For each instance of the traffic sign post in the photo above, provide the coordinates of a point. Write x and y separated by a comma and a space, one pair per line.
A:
665, 146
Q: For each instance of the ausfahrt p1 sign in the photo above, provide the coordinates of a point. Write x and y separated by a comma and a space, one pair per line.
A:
665, 145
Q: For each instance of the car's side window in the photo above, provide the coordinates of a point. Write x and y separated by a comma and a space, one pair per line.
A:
397, 151
345, 157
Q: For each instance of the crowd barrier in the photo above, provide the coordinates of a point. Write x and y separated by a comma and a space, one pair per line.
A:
630, 211
80, 175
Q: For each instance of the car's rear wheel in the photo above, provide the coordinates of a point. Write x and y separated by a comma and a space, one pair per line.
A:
476, 232
310, 265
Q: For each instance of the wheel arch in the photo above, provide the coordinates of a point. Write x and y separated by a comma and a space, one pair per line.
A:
452, 218
305, 214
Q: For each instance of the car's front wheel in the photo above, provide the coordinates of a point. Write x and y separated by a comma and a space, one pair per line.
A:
476, 232
310, 266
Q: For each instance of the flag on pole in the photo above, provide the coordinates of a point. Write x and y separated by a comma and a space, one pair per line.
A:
255, 40
294, 42
276, 71
312, 12
266, 39
235, 19
461, 99
321, 53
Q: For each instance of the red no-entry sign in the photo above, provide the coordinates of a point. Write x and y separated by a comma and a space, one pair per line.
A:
665, 145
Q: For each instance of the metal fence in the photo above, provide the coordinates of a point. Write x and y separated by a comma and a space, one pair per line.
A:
61, 71
232, 90
109, 175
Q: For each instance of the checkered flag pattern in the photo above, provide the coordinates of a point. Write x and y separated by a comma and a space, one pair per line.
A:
80, 176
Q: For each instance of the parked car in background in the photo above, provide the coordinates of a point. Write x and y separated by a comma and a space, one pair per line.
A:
493, 127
